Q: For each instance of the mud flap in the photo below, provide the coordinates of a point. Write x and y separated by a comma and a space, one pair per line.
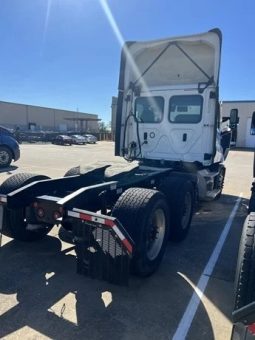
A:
102, 245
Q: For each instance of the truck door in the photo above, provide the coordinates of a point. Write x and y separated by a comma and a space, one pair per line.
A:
184, 71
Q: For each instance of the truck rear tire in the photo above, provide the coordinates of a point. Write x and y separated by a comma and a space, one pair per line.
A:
73, 171
252, 200
14, 222
245, 269
180, 195
144, 214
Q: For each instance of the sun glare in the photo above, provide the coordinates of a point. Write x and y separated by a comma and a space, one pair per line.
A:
46, 22
116, 31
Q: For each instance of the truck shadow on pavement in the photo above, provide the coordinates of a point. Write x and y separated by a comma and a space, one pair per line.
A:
39, 288
8, 169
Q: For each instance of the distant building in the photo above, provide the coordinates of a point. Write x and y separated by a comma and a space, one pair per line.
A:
30, 117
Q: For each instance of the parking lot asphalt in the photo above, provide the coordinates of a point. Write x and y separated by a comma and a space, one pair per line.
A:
42, 297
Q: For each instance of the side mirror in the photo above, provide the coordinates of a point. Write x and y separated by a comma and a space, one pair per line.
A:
252, 131
234, 119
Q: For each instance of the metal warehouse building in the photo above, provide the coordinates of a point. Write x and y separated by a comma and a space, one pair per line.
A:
245, 110
29, 117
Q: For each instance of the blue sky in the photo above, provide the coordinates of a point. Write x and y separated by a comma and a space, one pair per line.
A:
64, 54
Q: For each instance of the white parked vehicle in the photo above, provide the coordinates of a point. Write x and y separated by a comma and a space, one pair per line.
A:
91, 139
78, 139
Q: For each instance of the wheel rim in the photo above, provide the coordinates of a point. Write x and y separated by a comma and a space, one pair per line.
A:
156, 233
187, 210
4, 157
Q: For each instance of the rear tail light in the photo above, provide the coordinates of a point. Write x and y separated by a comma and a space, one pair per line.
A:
40, 212
56, 215
35, 205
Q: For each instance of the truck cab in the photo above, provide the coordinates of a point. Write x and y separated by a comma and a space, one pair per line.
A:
167, 106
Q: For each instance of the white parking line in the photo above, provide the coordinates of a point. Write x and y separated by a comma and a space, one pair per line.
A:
197, 295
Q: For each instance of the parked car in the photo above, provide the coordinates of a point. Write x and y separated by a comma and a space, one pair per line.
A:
9, 148
63, 140
90, 139
78, 139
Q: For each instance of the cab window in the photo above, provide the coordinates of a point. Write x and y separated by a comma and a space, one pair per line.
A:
185, 109
149, 109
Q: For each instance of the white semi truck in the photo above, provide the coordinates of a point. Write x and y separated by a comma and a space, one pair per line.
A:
168, 130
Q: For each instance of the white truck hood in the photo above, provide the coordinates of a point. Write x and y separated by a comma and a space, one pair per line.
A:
186, 60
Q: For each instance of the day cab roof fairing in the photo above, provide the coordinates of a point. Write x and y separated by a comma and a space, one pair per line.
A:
173, 62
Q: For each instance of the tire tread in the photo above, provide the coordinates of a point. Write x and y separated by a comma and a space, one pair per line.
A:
132, 209
245, 274
13, 224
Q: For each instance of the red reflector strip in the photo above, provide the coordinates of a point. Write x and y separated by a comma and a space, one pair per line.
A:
106, 222
127, 245
109, 223
85, 217
251, 328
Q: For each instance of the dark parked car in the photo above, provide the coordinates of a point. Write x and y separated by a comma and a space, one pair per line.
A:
9, 147
63, 140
